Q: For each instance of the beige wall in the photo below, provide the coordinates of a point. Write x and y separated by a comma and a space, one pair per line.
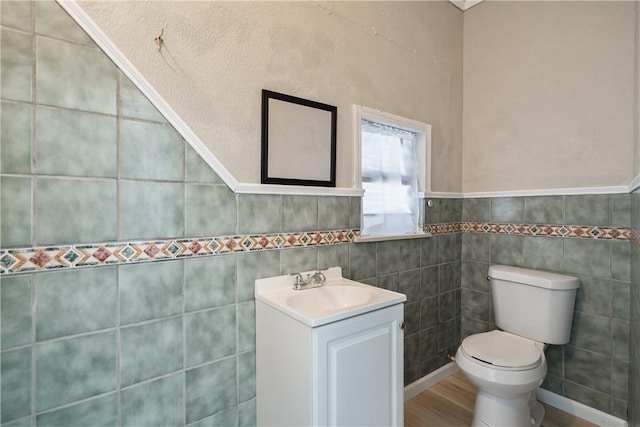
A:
401, 57
548, 95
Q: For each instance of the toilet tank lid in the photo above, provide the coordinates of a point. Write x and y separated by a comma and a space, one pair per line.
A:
542, 279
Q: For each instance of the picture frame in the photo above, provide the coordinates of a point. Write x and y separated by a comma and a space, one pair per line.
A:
298, 141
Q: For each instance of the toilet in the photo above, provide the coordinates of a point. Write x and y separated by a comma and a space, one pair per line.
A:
532, 309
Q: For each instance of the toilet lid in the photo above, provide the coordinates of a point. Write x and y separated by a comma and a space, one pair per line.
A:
502, 349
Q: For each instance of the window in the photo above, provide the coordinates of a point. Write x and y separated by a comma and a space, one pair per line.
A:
393, 155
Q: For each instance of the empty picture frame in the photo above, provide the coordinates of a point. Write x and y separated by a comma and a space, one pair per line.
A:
298, 141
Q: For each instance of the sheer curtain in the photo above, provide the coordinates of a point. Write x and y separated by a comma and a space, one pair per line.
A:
390, 181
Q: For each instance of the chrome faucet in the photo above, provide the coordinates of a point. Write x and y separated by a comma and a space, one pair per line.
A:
300, 283
318, 277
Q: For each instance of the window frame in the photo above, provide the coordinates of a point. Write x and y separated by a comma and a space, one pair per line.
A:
423, 140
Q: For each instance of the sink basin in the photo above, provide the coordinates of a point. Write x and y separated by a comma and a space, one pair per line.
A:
338, 299
329, 297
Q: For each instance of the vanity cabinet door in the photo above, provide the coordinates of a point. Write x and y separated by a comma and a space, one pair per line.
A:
358, 369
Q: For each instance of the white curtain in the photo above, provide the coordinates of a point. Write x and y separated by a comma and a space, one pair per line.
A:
390, 181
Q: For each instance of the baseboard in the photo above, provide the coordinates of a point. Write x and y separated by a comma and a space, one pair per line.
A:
565, 404
580, 410
429, 380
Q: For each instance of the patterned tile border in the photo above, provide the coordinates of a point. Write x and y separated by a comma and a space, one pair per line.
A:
635, 239
72, 256
546, 230
25, 260
442, 228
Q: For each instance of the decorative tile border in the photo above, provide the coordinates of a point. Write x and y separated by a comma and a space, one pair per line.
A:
444, 228
635, 239
24, 260
546, 230
72, 256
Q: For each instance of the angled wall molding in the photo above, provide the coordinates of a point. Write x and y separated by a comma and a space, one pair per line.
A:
122, 62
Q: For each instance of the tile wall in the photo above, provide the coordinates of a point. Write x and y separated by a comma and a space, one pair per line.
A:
593, 367
634, 334
428, 272
86, 159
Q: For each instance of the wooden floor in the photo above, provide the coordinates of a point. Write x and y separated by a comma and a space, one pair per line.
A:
450, 404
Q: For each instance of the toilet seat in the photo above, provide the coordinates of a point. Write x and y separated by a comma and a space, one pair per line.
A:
502, 350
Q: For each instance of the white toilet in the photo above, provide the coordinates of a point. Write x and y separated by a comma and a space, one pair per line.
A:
532, 308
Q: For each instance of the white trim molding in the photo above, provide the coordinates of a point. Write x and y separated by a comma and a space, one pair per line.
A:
579, 410
368, 239
297, 190
429, 380
122, 62
345, 191
440, 195
615, 189
565, 404
635, 182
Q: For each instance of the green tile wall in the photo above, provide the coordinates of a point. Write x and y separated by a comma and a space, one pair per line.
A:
93, 161
593, 368
634, 315
173, 342
433, 308
168, 343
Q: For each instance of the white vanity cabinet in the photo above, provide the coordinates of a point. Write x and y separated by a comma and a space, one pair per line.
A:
347, 372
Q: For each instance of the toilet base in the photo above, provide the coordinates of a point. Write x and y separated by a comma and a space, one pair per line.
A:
537, 411
494, 411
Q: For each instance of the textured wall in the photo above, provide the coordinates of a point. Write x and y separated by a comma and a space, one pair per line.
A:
402, 57
548, 95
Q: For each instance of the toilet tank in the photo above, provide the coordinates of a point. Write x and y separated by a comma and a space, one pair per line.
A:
534, 304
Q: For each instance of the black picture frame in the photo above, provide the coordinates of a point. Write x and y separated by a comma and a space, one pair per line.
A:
298, 141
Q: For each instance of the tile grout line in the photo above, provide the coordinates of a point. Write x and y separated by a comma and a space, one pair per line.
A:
118, 335
34, 130
34, 221
118, 352
183, 370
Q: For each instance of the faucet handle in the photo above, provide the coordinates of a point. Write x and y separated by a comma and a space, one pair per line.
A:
297, 280
318, 276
